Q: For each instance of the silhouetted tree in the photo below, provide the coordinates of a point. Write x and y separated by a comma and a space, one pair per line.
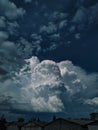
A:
54, 118
38, 120
20, 122
32, 119
2, 123
3, 119
21, 119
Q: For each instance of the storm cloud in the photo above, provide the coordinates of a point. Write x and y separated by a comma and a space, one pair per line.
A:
48, 86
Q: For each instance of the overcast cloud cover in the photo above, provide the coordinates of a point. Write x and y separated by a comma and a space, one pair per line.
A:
48, 57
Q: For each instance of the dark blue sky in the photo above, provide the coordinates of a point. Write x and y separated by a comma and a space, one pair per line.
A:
49, 54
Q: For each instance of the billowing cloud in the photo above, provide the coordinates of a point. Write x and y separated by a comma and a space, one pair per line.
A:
10, 10
43, 78
92, 102
48, 86
53, 104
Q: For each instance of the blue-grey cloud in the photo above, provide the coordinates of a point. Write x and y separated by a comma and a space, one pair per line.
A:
3, 36
2, 22
12, 28
9, 9
92, 101
27, 1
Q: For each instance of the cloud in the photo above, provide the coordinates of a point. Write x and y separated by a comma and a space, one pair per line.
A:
77, 36
44, 78
2, 22
45, 86
10, 10
35, 37
93, 17
86, 16
48, 86
10, 95
62, 27
53, 104
81, 17
50, 29
28, 1
58, 16
36, 43
10, 60
92, 102
3, 36
63, 24
12, 28
24, 48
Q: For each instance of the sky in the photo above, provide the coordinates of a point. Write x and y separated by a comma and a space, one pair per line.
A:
48, 58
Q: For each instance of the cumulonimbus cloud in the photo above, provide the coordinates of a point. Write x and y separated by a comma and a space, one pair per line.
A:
48, 86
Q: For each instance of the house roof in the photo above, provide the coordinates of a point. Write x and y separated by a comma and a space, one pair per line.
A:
65, 120
11, 123
34, 124
2, 124
81, 121
15, 124
94, 113
93, 123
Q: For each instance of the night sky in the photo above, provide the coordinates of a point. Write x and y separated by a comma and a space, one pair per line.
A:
48, 58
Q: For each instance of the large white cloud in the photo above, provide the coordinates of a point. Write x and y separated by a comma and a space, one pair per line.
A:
41, 80
48, 86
